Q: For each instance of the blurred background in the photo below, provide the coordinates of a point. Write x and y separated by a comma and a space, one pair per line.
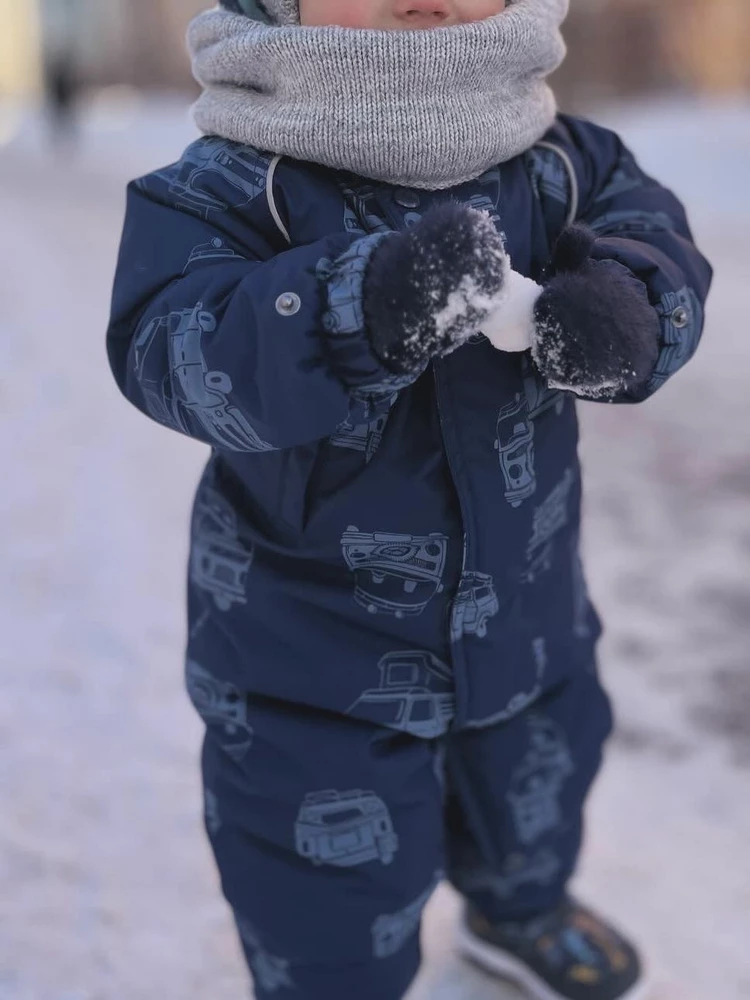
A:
106, 886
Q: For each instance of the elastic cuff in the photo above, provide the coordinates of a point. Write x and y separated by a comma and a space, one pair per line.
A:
350, 352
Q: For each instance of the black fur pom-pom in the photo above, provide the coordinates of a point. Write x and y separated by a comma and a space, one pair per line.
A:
429, 288
573, 248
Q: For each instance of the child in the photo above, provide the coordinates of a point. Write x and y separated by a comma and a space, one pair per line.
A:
375, 288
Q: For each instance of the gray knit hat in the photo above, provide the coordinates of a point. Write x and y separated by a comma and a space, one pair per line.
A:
270, 11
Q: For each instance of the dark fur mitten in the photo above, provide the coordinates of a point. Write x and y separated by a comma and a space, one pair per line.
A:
429, 288
596, 330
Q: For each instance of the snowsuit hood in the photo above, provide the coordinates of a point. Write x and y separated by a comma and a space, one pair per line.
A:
268, 11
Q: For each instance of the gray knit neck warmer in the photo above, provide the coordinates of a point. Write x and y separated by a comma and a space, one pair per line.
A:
428, 109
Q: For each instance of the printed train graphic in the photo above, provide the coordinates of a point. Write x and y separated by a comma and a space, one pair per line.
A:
395, 574
214, 176
190, 389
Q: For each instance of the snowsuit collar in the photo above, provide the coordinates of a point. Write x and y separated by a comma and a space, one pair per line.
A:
426, 109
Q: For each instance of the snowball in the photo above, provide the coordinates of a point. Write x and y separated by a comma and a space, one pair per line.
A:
510, 325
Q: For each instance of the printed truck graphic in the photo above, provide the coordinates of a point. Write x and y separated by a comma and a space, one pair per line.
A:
364, 437
216, 175
345, 829
395, 574
515, 448
210, 253
522, 700
190, 388
514, 442
540, 868
474, 604
360, 215
220, 704
270, 972
415, 695
391, 931
534, 794
219, 563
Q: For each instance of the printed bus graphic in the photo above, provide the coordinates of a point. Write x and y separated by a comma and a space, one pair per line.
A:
395, 574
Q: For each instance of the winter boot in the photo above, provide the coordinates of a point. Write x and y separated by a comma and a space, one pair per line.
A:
567, 954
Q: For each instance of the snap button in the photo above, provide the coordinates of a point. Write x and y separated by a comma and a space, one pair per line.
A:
288, 304
680, 317
406, 198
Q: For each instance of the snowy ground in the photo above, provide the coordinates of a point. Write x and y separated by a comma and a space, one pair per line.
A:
106, 887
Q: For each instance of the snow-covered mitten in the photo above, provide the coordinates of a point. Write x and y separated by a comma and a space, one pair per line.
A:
430, 287
596, 331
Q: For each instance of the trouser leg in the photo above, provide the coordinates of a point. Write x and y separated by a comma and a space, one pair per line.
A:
328, 837
514, 813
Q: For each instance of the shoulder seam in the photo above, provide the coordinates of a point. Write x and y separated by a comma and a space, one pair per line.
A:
575, 191
272, 200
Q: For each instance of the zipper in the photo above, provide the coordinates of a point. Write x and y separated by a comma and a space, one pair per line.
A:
460, 676
459, 663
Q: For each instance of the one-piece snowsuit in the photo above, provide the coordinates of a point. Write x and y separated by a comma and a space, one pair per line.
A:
391, 642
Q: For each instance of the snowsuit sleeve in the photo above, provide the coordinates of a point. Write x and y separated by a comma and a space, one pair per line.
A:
220, 331
643, 226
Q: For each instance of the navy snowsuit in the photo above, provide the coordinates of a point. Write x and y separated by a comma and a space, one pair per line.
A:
391, 642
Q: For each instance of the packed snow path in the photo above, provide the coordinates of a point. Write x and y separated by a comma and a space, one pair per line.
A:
107, 890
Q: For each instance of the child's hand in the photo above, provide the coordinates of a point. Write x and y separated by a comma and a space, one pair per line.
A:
429, 288
596, 330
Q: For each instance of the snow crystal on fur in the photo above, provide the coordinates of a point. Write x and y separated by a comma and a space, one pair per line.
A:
596, 331
429, 288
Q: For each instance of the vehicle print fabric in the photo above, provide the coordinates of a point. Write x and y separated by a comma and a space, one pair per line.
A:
333, 832
391, 642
